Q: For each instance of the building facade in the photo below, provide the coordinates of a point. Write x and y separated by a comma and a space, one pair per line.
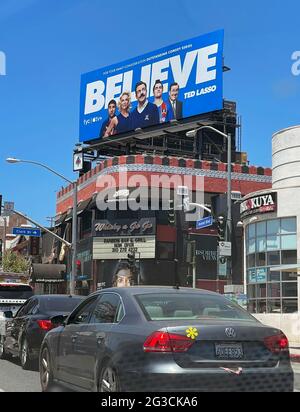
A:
272, 240
106, 237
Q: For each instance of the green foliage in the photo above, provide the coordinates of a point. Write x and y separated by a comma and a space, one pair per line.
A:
13, 262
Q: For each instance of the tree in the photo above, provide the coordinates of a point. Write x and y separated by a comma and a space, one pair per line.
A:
15, 263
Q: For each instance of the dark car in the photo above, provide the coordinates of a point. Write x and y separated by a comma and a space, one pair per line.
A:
27, 329
164, 339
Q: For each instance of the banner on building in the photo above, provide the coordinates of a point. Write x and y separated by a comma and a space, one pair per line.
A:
174, 83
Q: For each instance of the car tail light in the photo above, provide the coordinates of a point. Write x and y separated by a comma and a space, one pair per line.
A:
45, 324
277, 343
167, 342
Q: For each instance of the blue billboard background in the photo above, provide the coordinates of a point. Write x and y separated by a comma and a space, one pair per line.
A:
194, 69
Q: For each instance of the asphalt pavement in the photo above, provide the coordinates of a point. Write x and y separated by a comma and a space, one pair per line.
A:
14, 379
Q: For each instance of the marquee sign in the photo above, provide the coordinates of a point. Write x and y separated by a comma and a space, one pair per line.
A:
118, 248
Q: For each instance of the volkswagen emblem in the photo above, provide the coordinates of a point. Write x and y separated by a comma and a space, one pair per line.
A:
230, 332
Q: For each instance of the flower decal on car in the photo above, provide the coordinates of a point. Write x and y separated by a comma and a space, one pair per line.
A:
192, 333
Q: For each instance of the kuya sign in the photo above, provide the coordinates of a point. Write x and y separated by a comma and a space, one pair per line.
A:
173, 83
265, 203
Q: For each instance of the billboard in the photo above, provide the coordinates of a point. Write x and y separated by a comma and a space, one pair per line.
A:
173, 83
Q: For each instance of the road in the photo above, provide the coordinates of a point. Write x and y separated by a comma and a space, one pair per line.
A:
14, 379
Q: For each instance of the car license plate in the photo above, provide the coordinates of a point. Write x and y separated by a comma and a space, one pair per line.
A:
229, 351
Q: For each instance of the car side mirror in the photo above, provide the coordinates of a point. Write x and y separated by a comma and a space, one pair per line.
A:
8, 314
59, 320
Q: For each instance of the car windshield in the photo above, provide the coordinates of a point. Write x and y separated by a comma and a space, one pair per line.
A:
167, 306
63, 304
15, 292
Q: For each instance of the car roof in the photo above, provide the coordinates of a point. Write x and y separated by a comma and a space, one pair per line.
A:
57, 297
14, 284
136, 290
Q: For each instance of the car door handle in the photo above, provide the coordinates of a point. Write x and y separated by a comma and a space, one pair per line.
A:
74, 338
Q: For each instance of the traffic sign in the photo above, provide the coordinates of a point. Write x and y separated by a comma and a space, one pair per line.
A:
206, 222
225, 249
34, 232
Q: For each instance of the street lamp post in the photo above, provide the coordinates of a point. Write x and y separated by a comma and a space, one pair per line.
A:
74, 217
193, 133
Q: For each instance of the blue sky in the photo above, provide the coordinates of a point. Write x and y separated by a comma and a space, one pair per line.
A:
49, 43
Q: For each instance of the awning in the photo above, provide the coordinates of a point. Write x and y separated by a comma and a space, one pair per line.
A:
287, 268
43, 273
69, 215
83, 205
60, 218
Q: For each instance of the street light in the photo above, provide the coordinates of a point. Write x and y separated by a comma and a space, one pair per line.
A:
74, 217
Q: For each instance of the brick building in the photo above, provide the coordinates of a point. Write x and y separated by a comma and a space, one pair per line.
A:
162, 251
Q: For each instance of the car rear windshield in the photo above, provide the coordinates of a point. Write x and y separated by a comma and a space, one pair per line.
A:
15, 292
167, 306
63, 304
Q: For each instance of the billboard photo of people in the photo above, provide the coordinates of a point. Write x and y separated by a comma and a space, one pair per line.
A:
173, 83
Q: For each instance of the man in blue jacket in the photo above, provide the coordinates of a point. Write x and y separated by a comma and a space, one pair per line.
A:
146, 114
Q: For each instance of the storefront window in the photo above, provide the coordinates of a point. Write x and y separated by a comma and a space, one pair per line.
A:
261, 306
289, 242
271, 244
273, 258
289, 257
274, 290
251, 291
273, 276
288, 226
260, 259
252, 306
289, 276
261, 229
261, 244
274, 306
251, 246
289, 289
273, 227
252, 231
289, 306
262, 291
251, 261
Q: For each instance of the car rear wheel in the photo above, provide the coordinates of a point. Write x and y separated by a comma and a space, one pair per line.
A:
46, 374
24, 355
109, 379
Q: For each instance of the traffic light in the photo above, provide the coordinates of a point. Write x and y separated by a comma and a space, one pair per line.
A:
78, 268
171, 213
221, 222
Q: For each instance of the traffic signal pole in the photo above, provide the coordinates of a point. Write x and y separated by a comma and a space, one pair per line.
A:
229, 214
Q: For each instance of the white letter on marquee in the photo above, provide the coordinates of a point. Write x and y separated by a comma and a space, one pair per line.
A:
205, 62
94, 99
